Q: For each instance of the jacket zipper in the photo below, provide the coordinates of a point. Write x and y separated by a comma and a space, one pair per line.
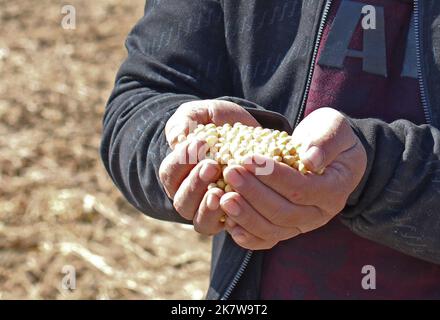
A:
313, 61
238, 275
324, 16
423, 95
419, 46
419, 42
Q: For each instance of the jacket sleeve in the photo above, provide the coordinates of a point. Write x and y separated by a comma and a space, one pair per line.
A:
176, 54
398, 201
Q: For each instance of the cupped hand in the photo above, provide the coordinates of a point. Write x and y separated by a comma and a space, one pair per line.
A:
185, 174
268, 208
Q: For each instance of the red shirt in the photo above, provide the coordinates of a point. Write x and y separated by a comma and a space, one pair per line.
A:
364, 73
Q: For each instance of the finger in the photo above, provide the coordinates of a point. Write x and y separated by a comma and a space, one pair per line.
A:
325, 133
177, 165
221, 112
193, 188
184, 120
310, 189
287, 181
267, 202
207, 218
190, 114
246, 240
240, 212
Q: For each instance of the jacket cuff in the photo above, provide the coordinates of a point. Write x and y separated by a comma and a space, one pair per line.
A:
355, 124
266, 118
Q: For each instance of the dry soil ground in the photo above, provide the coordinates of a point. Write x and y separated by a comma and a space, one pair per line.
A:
57, 205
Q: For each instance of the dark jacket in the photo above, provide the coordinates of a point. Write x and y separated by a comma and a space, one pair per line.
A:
260, 54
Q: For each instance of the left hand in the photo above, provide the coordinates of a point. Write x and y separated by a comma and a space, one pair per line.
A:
266, 209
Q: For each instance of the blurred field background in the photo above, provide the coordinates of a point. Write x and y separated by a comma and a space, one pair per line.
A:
57, 205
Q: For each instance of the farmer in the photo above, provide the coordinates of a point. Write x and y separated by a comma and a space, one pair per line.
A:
359, 80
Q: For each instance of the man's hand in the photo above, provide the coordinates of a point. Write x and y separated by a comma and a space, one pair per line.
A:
185, 175
266, 209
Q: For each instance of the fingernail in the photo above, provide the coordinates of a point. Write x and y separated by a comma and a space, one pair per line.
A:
234, 178
208, 172
232, 208
316, 156
212, 202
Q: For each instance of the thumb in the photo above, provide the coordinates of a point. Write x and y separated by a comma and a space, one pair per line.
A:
184, 120
190, 114
327, 144
315, 158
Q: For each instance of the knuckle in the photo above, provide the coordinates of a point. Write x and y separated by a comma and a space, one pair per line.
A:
269, 245
164, 175
279, 213
246, 244
196, 183
201, 228
250, 190
337, 203
169, 124
246, 220
206, 231
208, 163
177, 206
273, 235
186, 106
211, 104
268, 235
200, 223
180, 208
197, 227
245, 216
166, 181
167, 175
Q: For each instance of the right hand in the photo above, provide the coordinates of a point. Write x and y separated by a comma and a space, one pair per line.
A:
186, 183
